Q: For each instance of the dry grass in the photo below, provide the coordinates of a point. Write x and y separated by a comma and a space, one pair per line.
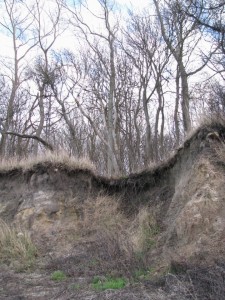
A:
113, 244
57, 158
102, 213
197, 283
102, 229
206, 121
220, 153
16, 247
104, 216
124, 242
63, 159
143, 230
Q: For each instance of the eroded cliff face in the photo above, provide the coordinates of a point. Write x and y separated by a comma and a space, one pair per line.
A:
195, 218
185, 196
46, 201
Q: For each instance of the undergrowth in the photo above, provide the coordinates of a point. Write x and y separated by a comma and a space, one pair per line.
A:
58, 275
111, 243
143, 231
197, 283
16, 247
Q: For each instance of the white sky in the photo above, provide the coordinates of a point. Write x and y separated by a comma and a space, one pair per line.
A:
134, 3
68, 40
124, 5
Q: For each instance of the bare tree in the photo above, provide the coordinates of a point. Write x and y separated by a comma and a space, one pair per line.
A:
182, 38
210, 15
43, 73
102, 46
17, 23
149, 56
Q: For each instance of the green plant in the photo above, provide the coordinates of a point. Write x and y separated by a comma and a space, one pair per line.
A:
140, 255
108, 283
139, 274
144, 231
93, 262
58, 275
143, 274
149, 233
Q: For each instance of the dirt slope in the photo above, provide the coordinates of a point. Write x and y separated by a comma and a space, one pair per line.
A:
184, 198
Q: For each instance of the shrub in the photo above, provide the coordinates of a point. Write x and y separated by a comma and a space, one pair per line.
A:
111, 238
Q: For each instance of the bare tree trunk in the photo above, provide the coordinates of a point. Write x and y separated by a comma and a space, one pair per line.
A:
148, 134
176, 110
185, 99
9, 118
162, 148
15, 84
112, 160
159, 137
156, 144
42, 118
178, 55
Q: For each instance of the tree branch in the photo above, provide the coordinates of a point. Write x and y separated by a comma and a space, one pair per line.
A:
29, 136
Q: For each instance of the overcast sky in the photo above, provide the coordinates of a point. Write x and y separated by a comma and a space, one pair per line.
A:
137, 6
134, 3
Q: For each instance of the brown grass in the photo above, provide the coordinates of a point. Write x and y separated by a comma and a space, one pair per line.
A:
16, 247
63, 159
220, 153
206, 121
111, 243
197, 283
102, 213
103, 217
56, 158
143, 230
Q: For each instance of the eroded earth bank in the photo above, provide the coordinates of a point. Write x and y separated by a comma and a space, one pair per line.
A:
157, 234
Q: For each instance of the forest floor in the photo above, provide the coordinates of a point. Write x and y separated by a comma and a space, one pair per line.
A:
40, 285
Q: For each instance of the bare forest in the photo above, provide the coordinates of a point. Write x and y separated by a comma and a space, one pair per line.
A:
119, 86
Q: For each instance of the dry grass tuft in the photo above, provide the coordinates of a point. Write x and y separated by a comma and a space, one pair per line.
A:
103, 217
102, 228
103, 213
220, 153
104, 220
143, 230
108, 242
206, 121
16, 247
59, 159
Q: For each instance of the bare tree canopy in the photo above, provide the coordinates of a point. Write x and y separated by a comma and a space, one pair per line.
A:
121, 87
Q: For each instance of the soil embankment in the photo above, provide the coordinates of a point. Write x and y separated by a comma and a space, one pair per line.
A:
63, 209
